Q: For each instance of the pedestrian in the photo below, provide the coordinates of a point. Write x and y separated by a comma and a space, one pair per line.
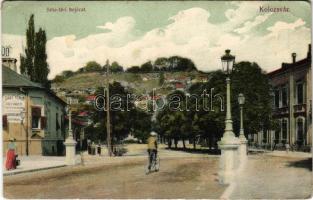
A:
10, 160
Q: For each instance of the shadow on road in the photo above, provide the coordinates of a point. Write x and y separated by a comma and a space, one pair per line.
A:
306, 163
196, 151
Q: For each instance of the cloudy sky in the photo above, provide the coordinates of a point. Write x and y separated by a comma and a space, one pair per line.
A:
134, 32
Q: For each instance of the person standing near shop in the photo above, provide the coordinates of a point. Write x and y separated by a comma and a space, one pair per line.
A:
10, 160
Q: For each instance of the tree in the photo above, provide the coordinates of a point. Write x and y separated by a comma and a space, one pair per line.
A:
146, 67
133, 69
27, 66
256, 89
92, 66
172, 120
124, 120
115, 67
161, 79
181, 64
34, 62
59, 79
67, 73
41, 68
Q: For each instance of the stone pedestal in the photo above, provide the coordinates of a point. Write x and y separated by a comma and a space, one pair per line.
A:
228, 160
242, 150
70, 147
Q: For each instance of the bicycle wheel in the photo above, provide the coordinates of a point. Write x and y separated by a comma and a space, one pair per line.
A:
157, 163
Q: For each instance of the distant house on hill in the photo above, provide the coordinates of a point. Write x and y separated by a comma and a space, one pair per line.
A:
179, 86
90, 99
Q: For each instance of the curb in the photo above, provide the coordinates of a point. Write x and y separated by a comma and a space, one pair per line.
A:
31, 170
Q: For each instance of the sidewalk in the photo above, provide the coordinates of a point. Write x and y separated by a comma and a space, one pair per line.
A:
35, 163
294, 154
274, 177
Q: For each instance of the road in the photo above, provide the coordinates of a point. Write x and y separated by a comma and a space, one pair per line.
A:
184, 176
181, 175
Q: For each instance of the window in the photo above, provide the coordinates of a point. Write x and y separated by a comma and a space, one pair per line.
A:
300, 93
36, 115
300, 129
57, 125
284, 129
276, 98
284, 96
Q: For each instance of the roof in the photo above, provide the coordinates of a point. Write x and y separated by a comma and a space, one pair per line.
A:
179, 85
91, 98
11, 79
285, 67
291, 66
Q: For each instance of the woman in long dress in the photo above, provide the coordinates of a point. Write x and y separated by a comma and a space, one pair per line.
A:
10, 162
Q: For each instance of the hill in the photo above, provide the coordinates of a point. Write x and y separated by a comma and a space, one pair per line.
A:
83, 84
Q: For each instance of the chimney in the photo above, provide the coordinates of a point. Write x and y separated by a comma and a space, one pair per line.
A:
309, 51
10, 63
294, 55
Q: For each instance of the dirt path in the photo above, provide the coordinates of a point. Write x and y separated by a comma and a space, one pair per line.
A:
177, 178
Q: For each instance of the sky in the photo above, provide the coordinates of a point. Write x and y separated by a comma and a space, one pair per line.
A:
134, 32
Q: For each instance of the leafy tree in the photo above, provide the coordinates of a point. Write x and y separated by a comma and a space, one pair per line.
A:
161, 79
115, 67
59, 79
67, 73
181, 64
41, 68
133, 69
161, 63
146, 67
34, 62
124, 120
172, 120
141, 125
27, 64
255, 87
92, 66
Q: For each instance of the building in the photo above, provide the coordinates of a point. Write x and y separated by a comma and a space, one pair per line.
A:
292, 104
33, 115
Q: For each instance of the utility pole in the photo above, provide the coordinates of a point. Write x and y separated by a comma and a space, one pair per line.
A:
108, 109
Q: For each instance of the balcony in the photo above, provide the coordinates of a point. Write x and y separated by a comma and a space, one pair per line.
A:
283, 111
299, 108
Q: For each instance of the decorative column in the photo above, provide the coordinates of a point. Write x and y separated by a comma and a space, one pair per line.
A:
228, 143
70, 144
243, 141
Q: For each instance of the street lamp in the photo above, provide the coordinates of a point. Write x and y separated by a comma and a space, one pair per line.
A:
229, 143
242, 138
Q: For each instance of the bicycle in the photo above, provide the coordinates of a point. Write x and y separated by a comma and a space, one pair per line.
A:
155, 164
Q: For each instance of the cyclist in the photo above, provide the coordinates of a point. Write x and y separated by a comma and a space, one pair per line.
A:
152, 147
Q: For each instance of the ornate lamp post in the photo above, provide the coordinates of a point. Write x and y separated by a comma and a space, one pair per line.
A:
242, 138
70, 143
229, 143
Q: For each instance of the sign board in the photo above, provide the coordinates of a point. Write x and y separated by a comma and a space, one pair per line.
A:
5, 51
13, 107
